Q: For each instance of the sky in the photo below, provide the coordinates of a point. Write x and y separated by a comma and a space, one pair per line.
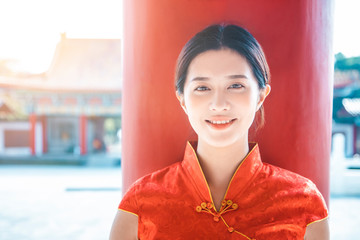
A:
30, 29
346, 27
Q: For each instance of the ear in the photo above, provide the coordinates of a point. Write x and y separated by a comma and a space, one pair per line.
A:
180, 97
262, 96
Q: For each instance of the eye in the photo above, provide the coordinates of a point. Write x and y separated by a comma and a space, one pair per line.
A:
236, 85
202, 88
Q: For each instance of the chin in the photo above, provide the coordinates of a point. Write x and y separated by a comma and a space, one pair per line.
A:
221, 142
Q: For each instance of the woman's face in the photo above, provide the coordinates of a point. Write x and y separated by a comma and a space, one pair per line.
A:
221, 96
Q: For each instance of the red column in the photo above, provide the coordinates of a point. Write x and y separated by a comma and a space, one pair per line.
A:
44, 134
296, 37
32, 120
83, 134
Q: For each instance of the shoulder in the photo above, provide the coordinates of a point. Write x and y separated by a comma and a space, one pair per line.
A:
299, 192
150, 184
285, 177
158, 178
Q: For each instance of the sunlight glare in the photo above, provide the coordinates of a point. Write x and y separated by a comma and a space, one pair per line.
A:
346, 33
30, 29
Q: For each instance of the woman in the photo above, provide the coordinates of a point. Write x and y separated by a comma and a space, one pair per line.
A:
221, 189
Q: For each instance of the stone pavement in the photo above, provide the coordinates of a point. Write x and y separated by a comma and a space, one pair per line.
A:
77, 203
67, 203
345, 218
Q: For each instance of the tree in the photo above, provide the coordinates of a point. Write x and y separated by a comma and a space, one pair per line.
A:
343, 63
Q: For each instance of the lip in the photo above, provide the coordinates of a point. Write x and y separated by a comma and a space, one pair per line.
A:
221, 126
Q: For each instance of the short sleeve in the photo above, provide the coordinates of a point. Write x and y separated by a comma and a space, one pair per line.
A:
316, 207
129, 201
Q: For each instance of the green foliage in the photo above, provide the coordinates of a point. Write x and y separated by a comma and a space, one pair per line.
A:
343, 63
339, 56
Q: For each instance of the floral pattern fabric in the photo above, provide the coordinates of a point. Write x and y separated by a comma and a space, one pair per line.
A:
262, 202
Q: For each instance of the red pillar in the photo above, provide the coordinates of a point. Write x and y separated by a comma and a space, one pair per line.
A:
32, 120
296, 37
44, 134
83, 134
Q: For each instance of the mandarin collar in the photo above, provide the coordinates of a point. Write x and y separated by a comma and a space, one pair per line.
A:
247, 169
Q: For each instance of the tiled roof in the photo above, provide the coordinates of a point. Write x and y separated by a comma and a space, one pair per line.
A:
10, 108
86, 63
78, 65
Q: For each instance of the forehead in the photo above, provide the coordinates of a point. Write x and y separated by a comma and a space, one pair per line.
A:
217, 63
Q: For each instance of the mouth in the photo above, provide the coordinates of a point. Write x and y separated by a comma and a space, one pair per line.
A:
219, 125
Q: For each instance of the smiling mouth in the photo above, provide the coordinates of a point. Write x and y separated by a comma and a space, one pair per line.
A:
220, 124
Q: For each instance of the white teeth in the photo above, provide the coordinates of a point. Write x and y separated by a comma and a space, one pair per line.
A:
220, 122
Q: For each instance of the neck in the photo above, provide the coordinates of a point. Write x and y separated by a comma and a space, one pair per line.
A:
219, 165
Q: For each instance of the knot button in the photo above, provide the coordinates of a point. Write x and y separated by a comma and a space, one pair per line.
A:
231, 229
198, 209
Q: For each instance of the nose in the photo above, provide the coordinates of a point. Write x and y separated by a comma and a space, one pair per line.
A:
219, 102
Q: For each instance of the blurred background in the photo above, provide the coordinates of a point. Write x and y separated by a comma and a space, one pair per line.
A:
60, 119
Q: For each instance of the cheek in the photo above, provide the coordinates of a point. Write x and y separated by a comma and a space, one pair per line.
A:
194, 103
245, 105
254, 98
246, 101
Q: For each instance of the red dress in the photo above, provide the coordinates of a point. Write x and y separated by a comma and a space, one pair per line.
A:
262, 202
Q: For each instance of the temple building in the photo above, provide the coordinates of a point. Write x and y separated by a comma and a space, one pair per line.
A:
74, 108
346, 108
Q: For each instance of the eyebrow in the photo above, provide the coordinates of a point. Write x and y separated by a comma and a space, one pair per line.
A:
199, 79
230, 77
237, 76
